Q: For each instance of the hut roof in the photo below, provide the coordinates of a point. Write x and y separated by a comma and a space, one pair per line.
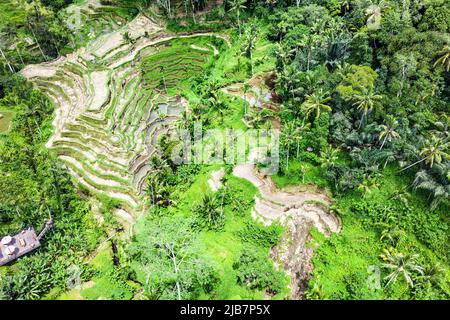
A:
19, 245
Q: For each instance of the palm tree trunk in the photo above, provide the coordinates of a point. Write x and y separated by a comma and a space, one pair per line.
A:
239, 23
193, 11
20, 55
287, 159
7, 61
417, 162
384, 141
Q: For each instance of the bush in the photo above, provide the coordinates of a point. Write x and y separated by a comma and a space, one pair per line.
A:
255, 271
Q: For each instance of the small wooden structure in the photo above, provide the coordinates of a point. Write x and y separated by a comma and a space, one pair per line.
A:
14, 247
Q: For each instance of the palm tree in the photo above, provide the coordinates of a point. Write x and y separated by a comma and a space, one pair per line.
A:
209, 211
287, 141
365, 101
303, 170
401, 195
216, 104
444, 58
7, 61
374, 13
388, 132
248, 45
288, 78
440, 191
295, 129
329, 157
434, 150
299, 130
316, 103
283, 54
400, 264
237, 6
434, 272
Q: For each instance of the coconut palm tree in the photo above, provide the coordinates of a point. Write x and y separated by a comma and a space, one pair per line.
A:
329, 157
289, 78
287, 141
374, 13
298, 133
434, 150
388, 132
316, 103
444, 58
295, 130
248, 45
237, 6
365, 101
434, 272
440, 191
400, 264
283, 55
392, 234
6, 61
303, 170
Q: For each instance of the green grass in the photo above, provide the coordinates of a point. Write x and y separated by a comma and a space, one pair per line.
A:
294, 176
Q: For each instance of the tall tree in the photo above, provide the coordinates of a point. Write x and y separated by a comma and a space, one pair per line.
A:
316, 103
444, 58
237, 6
388, 132
365, 100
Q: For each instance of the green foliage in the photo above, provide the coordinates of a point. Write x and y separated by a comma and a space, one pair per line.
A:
169, 260
353, 79
35, 186
170, 69
256, 272
210, 212
109, 282
259, 235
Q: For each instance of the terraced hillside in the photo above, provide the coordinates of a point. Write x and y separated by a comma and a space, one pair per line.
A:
91, 18
113, 99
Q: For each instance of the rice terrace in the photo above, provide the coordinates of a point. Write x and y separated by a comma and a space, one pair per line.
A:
224, 150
